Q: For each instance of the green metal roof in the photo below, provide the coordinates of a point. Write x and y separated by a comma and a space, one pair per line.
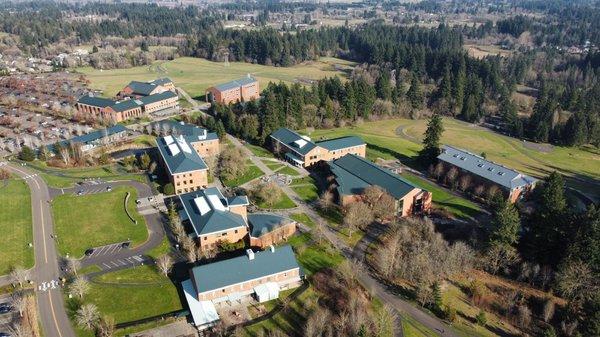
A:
235, 83
157, 97
353, 174
162, 81
289, 138
96, 101
240, 269
182, 161
263, 223
125, 105
141, 88
214, 218
340, 143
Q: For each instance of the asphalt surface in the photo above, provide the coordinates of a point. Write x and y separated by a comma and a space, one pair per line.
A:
51, 306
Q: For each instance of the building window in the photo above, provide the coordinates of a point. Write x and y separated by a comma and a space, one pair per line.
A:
236, 231
224, 234
205, 238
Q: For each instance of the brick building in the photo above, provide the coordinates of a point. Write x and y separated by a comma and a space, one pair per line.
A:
184, 167
240, 90
260, 275
302, 151
137, 89
513, 184
268, 229
352, 175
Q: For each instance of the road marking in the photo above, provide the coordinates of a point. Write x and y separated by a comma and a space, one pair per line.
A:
107, 266
138, 258
43, 233
54, 315
114, 264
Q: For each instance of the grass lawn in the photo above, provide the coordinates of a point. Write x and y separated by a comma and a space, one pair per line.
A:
259, 151
412, 328
15, 225
132, 294
289, 171
401, 138
145, 140
303, 218
95, 220
163, 248
308, 193
252, 172
284, 202
194, 75
458, 206
314, 256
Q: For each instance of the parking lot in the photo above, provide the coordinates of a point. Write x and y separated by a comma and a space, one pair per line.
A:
6, 319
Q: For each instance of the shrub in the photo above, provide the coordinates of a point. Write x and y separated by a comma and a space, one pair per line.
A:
481, 318
27, 154
169, 189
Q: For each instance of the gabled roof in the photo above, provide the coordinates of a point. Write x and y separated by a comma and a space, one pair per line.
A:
240, 269
125, 105
157, 97
178, 155
341, 143
142, 88
95, 101
486, 169
208, 211
353, 174
92, 136
235, 83
191, 132
263, 223
294, 141
162, 81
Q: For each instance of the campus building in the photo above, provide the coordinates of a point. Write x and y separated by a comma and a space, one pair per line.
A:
205, 143
184, 167
214, 218
301, 151
258, 275
353, 174
240, 90
513, 184
137, 99
95, 139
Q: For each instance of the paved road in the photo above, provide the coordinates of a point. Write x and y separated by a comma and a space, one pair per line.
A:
51, 306
114, 256
378, 289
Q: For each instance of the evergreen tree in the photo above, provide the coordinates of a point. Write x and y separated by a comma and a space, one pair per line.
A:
445, 88
26, 154
506, 225
437, 296
220, 130
459, 84
382, 86
431, 142
415, 94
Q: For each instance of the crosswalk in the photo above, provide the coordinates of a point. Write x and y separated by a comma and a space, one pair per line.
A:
106, 250
123, 262
90, 190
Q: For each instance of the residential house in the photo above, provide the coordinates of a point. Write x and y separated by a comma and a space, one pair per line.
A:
240, 90
353, 174
95, 138
302, 151
513, 184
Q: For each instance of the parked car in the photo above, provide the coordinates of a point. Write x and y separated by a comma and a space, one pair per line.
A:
126, 244
80, 192
89, 252
5, 308
108, 188
4, 334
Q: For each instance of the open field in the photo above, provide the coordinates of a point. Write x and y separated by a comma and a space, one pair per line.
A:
401, 138
77, 230
194, 75
131, 294
252, 172
15, 225
481, 51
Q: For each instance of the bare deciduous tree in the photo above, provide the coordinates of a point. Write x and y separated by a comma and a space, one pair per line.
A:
326, 200
19, 302
357, 215
575, 280
268, 194
548, 312
80, 287
164, 263
19, 275
19, 330
87, 316
105, 327
189, 248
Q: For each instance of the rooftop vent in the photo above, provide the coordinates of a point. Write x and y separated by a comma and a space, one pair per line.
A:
272, 248
463, 158
300, 143
501, 173
250, 254
490, 169
480, 165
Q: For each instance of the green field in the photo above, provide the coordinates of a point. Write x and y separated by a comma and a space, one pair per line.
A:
259, 151
15, 225
95, 220
284, 202
252, 172
194, 75
131, 294
401, 138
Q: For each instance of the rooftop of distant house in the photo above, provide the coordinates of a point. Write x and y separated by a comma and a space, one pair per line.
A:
217, 275
353, 174
209, 211
179, 155
484, 168
92, 136
235, 83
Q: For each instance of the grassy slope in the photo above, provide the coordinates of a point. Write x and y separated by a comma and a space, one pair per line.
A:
77, 230
400, 138
252, 172
15, 226
195, 75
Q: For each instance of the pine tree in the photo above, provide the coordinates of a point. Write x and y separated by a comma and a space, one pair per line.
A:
431, 142
459, 84
383, 87
445, 89
415, 94
437, 295
506, 225
26, 154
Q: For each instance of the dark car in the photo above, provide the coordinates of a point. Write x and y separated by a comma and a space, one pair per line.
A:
126, 244
5, 308
89, 252
4, 334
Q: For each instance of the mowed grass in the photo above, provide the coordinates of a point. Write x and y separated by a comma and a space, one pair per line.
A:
95, 220
195, 75
401, 139
15, 225
252, 172
130, 295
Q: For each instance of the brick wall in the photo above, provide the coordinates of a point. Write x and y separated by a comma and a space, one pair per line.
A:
272, 238
209, 241
206, 148
189, 181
